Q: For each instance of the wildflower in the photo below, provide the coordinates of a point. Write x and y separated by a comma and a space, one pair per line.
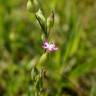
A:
49, 46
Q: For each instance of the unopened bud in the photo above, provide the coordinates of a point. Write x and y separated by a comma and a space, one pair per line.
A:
43, 37
32, 6
29, 5
40, 15
42, 21
42, 60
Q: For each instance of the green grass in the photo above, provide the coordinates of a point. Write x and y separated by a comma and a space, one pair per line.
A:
71, 71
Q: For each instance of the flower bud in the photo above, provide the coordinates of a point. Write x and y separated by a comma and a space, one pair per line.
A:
50, 21
40, 15
42, 59
32, 6
29, 5
43, 37
42, 21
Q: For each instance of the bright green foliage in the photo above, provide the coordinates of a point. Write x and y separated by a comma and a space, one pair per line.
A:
70, 71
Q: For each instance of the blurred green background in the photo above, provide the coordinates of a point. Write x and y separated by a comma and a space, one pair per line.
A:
20, 46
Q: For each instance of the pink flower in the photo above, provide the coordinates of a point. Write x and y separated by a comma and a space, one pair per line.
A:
49, 46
